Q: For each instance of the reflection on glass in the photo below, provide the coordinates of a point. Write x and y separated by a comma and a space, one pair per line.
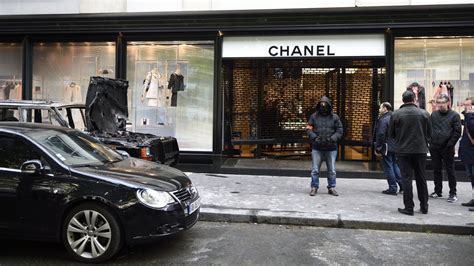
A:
75, 148
61, 71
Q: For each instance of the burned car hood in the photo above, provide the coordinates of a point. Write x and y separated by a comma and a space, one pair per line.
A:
134, 172
106, 105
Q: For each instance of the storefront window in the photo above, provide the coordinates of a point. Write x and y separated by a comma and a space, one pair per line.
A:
171, 90
432, 62
10, 71
61, 71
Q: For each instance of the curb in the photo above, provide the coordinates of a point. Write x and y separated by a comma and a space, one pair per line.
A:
323, 220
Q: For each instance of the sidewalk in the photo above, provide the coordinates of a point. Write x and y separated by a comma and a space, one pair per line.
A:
285, 200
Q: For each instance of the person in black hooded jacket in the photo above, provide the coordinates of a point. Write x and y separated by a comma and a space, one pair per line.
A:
324, 130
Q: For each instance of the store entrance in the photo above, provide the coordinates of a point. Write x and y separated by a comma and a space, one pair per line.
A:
268, 103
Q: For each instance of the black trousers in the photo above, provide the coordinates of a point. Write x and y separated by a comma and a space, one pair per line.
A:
440, 158
409, 164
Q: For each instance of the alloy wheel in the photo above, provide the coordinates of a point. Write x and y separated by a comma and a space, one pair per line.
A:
89, 234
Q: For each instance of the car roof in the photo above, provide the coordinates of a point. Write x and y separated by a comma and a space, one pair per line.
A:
37, 104
30, 127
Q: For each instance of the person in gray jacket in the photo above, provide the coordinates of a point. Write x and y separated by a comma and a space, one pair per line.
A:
446, 125
324, 130
411, 128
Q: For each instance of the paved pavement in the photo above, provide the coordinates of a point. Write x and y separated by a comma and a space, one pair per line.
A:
285, 200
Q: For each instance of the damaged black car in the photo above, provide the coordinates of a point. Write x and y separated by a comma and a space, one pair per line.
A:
64, 186
104, 116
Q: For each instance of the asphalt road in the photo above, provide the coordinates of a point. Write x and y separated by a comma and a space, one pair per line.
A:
251, 244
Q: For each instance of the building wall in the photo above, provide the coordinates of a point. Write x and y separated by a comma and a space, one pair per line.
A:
19, 7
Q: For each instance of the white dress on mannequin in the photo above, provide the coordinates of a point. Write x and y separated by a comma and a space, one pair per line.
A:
150, 88
73, 94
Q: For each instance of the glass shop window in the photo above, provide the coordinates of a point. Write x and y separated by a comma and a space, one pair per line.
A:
10, 71
171, 90
61, 71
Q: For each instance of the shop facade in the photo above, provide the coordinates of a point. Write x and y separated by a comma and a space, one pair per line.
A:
244, 87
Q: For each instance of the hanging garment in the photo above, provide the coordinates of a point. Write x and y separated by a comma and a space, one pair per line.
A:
151, 86
73, 94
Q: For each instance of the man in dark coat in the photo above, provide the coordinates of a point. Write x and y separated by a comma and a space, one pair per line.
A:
385, 148
466, 146
446, 125
411, 128
324, 130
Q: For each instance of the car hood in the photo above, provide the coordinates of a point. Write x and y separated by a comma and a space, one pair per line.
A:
106, 105
137, 173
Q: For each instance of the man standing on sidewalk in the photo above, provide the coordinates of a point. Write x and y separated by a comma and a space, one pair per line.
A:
385, 147
324, 130
466, 147
446, 125
411, 128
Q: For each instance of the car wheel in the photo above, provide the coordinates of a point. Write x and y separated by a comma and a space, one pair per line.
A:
91, 233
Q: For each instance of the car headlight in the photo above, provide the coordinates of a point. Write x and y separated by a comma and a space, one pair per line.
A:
153, 198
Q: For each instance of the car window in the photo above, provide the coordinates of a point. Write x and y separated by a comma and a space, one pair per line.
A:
40, 115
75, 148
14, 152
9, 114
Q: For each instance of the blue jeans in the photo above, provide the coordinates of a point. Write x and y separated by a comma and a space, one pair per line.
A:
470, 173
318, 157
391, 171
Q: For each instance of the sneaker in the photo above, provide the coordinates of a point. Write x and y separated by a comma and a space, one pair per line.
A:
333, 192
435, 195
388, 192
452, 198
469, 203
471, 209
313, 192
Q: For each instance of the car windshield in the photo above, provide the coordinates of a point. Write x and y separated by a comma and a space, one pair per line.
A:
75, 148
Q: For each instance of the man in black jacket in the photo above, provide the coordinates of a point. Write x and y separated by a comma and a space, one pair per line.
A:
446, 125
411, 128
385, 148
324, 130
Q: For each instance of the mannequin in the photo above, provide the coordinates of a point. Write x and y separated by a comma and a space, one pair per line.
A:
73, 94
176, 83
151, 88
16, 93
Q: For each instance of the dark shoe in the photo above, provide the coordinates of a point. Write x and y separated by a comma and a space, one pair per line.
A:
313, 192
469, 203
435, 195
388, 192
333, 192
471, 209
406, 211
424, 210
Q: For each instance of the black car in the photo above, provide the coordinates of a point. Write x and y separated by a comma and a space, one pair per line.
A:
60, 184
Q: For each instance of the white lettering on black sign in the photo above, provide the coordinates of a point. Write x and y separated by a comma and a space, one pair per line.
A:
306, 50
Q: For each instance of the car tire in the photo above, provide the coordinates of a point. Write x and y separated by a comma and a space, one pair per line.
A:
91, 233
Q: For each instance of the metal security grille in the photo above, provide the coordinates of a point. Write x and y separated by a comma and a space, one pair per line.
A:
269, 102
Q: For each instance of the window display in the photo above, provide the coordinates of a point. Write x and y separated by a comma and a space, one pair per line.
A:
61, 71
171, 92
10, 71
434, 66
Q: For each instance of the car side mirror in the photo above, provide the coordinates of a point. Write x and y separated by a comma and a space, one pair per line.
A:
124, 154
32, 167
